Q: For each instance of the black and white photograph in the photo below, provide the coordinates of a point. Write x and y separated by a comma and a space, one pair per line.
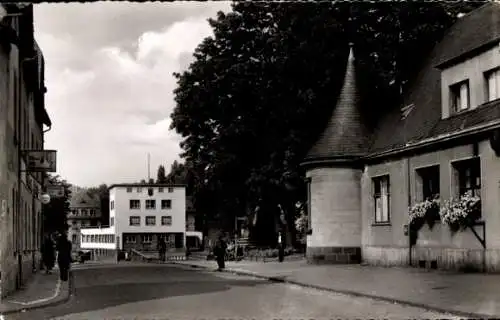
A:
250, 160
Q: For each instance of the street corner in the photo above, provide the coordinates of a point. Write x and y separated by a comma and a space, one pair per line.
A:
44, 291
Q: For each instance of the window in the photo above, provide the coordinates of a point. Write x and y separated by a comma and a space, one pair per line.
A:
150, 204
170, 189
135, 221
112, 206
459, 94
84, 212
111, 221
92, 212
73, 238
166, 220
147, 238
468, 177
166, 204
135, 204
139, 190
130, 238
150, 220
492, 78
381, 195
129, 189
160, 189
428, 182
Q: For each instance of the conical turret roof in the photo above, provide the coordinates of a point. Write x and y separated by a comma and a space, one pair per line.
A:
345, 135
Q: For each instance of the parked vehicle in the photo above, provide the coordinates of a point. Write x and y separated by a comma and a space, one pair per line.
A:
84, 255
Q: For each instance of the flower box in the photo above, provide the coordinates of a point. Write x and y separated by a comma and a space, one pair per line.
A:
462, 213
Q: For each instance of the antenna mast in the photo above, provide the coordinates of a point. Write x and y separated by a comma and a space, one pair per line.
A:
149, 167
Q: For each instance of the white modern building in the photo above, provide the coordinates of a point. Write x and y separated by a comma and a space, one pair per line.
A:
140, 214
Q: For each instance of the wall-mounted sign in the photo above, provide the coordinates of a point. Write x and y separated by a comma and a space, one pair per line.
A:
41, 160
55, 191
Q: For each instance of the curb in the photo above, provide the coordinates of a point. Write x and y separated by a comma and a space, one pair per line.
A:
351, 293
52, 303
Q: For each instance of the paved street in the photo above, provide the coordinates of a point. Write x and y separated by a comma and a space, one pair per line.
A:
167, 292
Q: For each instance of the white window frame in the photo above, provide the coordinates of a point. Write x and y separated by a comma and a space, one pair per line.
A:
460, 96
382, 200
149, 206
170, 189
133, 207
164, 223
492, 80
129, 238
166, 207
134, 224
150, 224
160, 189
147, 238
139, 190
129, 189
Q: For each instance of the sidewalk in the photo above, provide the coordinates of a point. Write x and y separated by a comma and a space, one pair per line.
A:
465, 295
41, 291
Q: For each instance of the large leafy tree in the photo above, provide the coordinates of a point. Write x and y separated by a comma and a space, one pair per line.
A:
55, 213
261, 88
102, 193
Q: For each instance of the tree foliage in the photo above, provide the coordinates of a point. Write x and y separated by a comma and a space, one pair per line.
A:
161, 176
55, 213
260, 90
102, 193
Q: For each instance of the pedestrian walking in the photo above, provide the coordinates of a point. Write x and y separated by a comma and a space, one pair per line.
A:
220, 253
63, 256
48, 254
162, 249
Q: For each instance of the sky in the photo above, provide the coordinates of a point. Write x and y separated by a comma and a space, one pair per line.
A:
109, 83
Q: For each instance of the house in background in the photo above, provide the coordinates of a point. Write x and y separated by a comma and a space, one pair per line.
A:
443, 142
141, 214
85, 212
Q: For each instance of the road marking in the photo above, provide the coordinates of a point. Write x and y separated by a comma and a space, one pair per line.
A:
56, 293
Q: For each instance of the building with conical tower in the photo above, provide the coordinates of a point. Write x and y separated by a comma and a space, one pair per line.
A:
333, 165
423, 188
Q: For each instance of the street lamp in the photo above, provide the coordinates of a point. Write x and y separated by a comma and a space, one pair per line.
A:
45, 198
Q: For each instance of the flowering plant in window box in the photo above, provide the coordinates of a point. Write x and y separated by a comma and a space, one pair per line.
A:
461, 213
423, 212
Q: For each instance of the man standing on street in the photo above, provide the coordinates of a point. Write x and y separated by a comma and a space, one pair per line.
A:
162, 249
48, 254
220, 252
63, 256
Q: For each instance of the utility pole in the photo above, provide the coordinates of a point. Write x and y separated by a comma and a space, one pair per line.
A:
149, 167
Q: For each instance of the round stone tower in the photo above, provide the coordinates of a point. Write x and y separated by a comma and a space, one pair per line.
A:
334, 174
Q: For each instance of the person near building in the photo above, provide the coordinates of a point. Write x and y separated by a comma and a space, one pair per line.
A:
48, 254
220, 252
63, 256
162, 249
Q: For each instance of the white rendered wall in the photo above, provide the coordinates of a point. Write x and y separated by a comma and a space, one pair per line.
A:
335, 207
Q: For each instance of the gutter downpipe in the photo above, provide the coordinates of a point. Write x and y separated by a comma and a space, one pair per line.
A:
408, 185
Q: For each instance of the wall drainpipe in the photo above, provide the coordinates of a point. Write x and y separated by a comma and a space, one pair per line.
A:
408, 186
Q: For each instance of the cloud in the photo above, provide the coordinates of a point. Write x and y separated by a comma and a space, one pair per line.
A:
109, 77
